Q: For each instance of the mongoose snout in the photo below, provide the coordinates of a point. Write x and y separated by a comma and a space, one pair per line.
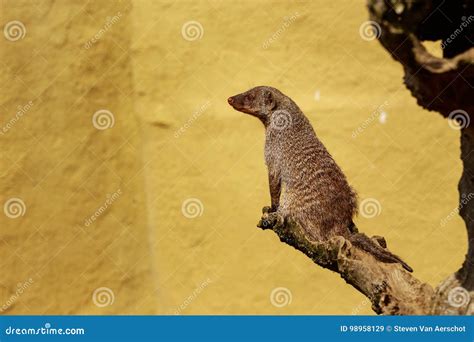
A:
257, 102
305, 182
241, 102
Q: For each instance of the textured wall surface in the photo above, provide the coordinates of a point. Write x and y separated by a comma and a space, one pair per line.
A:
176, 184
65, 170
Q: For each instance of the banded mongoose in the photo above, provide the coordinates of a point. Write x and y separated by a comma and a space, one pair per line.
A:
305, 182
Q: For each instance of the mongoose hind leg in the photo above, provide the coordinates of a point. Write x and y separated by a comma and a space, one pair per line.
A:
353, 228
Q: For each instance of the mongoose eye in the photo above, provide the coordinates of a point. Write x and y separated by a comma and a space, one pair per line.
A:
269, 100
249, 97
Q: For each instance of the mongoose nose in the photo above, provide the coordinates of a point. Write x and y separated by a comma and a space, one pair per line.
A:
230, 100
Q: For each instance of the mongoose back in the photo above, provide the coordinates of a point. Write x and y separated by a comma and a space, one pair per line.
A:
305, 182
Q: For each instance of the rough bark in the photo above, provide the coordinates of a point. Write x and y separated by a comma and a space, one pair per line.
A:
391, 289
445, 85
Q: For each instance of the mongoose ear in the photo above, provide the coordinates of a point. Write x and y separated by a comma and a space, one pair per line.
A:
269, 100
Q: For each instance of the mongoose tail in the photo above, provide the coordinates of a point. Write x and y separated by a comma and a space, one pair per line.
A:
365, 243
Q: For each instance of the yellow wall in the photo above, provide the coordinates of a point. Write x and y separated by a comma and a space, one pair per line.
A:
175, 138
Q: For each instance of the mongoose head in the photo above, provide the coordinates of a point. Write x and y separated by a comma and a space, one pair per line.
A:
259, 101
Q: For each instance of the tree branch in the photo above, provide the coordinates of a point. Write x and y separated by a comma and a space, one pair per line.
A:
391, 289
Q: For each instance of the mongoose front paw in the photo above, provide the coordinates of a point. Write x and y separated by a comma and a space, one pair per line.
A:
268, 221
